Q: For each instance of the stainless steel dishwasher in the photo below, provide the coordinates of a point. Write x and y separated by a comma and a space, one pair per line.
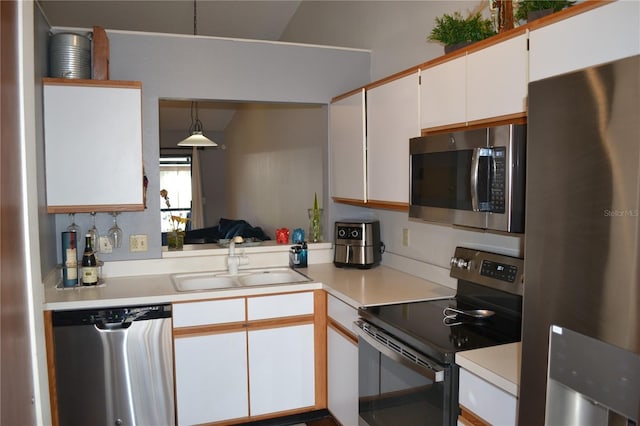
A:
114, 366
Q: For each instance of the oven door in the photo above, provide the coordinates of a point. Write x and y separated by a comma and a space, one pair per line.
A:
399, 386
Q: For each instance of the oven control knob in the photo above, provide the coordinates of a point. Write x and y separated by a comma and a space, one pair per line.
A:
461, 263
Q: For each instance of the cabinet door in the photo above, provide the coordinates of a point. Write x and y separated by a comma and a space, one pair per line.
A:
208, 312
342, 377
347, 146
485, 400
443, 94
93, 146
574, 43
281, 369
393, 116
497, 79
211, 377
279, 306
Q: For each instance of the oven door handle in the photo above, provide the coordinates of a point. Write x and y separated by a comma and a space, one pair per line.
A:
398, 352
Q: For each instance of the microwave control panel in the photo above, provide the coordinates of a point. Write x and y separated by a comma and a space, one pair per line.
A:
498, 179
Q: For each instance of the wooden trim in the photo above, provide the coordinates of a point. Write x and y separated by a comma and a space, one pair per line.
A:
443, 129
346, 95
91, 83
474, 47
352, 201
231, 327
388, 205
279, 322
243, 420
96, 208
320, 348
469, 418
201, 330
517, 118
51, 367
340, 329
569, 12
393, 77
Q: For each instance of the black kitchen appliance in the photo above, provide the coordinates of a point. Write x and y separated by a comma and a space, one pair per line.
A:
357, 243
407, 370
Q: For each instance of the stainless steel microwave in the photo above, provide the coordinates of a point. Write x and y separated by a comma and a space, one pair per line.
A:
473, 178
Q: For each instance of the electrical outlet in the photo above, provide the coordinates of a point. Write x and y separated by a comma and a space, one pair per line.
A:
405, 237
105, 245
138, 243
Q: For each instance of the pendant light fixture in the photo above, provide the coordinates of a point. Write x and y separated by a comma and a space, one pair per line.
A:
196, 138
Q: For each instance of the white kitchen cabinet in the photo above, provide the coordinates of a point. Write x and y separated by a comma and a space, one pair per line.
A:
281, 369
480, 85
497, 79
211, 378
597, 36
342, 362
242, 357
393, 116
492, 404
347, 147
443, 93
205, 392
93, 145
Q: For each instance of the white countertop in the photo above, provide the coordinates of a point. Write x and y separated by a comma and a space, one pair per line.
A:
357, 287
380, 285
499, 365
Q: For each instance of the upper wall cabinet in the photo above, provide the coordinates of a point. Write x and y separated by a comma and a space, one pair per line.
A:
393, 116
348, 148
93, 145
598, 36
443, 93
497, 79
483, 85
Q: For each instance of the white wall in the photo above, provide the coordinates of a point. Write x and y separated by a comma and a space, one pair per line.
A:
395, 31
277, 160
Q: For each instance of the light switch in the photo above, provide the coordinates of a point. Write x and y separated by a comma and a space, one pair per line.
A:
138, 243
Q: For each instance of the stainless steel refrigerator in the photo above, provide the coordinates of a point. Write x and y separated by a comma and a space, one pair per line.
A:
581, 309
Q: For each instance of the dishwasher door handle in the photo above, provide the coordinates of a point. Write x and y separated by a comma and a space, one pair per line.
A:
398, 352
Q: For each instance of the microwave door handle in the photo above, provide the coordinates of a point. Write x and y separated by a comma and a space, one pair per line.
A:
475, 166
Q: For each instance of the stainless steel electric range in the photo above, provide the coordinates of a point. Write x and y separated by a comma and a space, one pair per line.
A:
407, 370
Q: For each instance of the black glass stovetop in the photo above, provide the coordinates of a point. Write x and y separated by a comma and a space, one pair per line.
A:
421, 325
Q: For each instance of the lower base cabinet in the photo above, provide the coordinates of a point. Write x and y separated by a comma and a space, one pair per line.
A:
211, 378
281, 369
483, 403
249, 358
342, 362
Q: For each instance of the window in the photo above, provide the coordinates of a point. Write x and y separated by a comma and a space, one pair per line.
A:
175, 179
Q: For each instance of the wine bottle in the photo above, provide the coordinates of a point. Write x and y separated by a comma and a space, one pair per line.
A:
89, 264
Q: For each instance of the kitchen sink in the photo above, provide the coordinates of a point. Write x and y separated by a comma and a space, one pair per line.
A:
266, 277
197, 281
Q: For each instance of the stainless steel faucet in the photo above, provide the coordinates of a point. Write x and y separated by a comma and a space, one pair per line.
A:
233, 260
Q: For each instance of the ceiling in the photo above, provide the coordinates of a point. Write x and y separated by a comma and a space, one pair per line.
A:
260, 20
257, 20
